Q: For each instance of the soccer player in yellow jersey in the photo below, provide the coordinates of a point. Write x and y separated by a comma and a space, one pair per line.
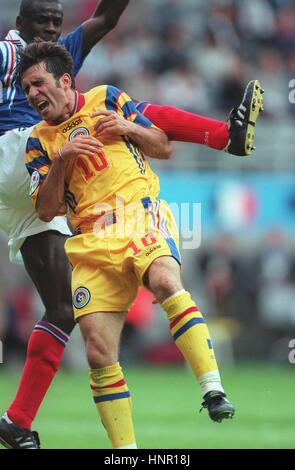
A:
86, 158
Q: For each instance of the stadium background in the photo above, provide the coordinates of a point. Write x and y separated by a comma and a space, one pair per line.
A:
195, 54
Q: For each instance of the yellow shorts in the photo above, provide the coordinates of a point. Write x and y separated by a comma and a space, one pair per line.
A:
109, 263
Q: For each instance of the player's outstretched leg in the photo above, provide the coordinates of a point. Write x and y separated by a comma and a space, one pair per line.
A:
190, 333
235, 137
242, 120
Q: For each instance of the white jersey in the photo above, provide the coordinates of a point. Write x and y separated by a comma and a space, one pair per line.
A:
18, 218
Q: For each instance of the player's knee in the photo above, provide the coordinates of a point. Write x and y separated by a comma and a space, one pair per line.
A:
61, 316
99, 352
164, 285
164, 279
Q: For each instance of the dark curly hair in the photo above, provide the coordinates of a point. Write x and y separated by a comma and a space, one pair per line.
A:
55, 57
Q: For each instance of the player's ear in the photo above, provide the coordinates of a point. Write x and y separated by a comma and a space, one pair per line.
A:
66, 81
19, 23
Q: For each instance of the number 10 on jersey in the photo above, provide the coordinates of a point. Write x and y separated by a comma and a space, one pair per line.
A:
93, 164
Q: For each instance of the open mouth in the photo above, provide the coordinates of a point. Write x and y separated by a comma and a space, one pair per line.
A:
42, 105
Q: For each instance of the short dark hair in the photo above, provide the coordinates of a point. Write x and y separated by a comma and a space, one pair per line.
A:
56, 58
26, 6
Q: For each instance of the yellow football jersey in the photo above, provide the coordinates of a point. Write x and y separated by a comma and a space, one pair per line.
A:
93, 184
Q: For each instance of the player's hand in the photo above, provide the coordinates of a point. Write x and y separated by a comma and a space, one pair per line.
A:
80, 145
110, 124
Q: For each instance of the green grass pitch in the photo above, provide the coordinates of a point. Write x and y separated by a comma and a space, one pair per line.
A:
166, 403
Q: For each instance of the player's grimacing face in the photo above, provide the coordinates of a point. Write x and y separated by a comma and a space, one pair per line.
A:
44, 21
45, 94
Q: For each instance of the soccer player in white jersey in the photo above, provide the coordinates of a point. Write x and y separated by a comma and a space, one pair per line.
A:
41, 244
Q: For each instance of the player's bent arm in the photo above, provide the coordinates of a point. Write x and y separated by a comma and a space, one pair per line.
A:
104, 19
51, 194
152, 141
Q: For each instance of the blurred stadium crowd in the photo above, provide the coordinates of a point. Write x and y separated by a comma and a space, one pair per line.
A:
198, 55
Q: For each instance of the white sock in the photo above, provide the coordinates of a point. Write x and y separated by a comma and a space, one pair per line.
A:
182, 291
210, 381
129, 446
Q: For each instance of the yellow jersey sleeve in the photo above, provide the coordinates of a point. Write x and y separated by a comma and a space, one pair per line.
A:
38, 165
118, 101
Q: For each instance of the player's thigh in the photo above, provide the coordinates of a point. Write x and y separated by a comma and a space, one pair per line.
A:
98, 284
106, 326
164, 272
158, 247
48, 266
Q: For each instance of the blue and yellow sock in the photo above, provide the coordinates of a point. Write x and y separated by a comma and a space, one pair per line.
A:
192, 338
113, 402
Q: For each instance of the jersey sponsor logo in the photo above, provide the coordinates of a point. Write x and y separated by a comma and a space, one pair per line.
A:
34, 183
79, 131
81, 297
71, 125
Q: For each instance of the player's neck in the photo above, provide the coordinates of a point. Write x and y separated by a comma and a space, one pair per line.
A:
72, 104
69, 110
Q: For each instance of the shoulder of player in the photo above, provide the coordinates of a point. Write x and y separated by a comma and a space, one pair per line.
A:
9, 56
116, 99
8, 49
38, 127
69, 36
99, 90
35, 139
10, 45
109, 95
96, 96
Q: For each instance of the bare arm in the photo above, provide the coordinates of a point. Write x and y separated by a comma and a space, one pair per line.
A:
51, 194
151, 140
104, 19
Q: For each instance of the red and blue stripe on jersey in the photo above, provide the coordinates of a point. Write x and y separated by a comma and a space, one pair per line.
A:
160, 222
130, 111
34, 146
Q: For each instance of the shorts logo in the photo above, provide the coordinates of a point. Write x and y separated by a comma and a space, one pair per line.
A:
79, 131
81, 297
151, 250
35, 181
